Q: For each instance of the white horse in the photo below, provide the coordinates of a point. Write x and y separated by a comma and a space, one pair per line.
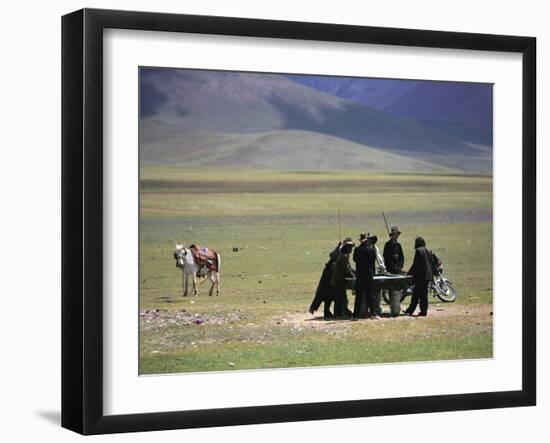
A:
186, 262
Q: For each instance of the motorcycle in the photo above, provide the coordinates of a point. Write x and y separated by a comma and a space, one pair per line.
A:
442, 288
439, 287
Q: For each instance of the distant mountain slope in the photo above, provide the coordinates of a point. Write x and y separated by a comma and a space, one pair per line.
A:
282, 149
372, 92
176, 105
227, 101
466, 104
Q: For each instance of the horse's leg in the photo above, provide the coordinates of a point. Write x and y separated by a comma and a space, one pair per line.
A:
195, 283
211, 277
185, 282
217, 273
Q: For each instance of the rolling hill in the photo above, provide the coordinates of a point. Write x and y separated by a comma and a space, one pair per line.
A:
269, 120
281, 149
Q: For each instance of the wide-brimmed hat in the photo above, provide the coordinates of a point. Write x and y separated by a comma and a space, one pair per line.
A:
395, 229
363, 237
348, 241
372, 238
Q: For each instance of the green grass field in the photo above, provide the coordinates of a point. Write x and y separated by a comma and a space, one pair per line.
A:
284, 224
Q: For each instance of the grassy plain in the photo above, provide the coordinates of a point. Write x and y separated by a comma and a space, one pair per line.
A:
284, 224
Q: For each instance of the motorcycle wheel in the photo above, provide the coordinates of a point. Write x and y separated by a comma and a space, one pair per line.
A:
444, 290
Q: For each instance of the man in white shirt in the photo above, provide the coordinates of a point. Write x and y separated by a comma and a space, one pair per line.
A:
380, 269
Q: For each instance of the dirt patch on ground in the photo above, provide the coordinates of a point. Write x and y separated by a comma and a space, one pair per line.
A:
160, 318
435, 311
300, 321
151, 319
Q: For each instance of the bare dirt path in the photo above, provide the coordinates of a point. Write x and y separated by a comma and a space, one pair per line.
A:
437, 311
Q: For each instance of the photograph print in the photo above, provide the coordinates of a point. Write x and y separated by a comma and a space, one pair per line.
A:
294, 221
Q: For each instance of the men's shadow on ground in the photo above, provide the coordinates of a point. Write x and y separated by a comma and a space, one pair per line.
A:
317, 318
323, 319
54, 417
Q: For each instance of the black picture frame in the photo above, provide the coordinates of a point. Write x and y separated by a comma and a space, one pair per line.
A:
82, 218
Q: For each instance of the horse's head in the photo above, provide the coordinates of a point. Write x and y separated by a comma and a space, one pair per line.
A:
180, 254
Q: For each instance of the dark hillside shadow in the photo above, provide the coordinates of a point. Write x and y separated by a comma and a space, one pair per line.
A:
363, 125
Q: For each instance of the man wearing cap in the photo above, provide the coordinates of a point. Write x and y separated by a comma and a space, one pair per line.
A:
364, 257
324, 293
394, 261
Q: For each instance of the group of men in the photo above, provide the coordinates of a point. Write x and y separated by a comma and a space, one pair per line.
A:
368, 261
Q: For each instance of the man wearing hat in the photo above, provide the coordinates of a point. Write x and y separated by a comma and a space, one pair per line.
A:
336, 251
394, 261
324, 294
364, 257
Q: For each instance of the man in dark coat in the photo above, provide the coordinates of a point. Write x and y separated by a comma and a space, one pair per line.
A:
422, 272
324, 294
341, 271
364, 257
394, 261
393, 252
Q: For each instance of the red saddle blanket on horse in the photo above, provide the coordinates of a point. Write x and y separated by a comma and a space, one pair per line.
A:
205, 257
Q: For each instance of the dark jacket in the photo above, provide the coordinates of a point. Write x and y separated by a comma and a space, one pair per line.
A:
323, 294
364, 257
393, 256
333, 255
422, 267
341, 270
